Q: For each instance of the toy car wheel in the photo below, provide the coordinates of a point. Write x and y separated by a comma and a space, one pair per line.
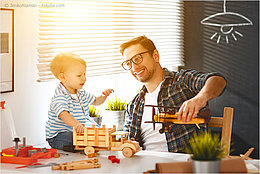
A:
127, 152
89, 150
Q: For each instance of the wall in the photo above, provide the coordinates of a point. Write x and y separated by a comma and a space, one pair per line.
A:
30, 100
237, 60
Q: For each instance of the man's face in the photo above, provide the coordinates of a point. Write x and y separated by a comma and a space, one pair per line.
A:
144, 71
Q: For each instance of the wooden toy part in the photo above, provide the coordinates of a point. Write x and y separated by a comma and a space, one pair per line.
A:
247, 154
225, 123
92, 155
76, 165
111, 156
57, 155
168, 117
128, 152
115, 160
242, 156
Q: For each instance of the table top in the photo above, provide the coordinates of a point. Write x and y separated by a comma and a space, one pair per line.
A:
139, 163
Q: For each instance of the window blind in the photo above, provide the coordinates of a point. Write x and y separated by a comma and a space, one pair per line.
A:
95, 29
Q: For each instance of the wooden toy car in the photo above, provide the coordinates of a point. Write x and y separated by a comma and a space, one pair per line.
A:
94, 139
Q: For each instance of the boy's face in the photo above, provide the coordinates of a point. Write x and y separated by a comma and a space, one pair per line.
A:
74, 78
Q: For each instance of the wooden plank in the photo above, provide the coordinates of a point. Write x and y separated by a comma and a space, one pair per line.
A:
101, 131
91, 143
80, 143
96, 137
107, 138
216, 122
91, 131
85, 136
102, 144
74, 137
80, 138
227, 128
91, 138
102, 138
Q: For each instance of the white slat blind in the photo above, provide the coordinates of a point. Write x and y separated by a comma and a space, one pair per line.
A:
95, 29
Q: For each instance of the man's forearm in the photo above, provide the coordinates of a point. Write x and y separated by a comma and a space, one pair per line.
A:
213, 87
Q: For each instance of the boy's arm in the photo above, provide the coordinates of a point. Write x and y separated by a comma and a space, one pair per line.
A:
71, 121
102, 98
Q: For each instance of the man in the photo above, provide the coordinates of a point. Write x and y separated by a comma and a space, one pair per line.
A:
187, 90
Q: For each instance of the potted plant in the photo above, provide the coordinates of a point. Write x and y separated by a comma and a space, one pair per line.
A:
95, 114
206, 152
115, 113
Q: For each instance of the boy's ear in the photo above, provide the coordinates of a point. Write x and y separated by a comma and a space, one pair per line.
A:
61, 76
156, 55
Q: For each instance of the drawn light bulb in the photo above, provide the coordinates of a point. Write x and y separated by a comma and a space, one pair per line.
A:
226, 28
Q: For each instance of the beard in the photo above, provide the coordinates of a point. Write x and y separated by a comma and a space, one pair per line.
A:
145, 78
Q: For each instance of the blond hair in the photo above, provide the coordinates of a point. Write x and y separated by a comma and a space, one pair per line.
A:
62, 61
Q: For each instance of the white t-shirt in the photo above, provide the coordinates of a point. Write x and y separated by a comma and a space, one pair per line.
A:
153, 140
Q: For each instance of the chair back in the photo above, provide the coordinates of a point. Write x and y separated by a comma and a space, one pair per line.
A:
225, 123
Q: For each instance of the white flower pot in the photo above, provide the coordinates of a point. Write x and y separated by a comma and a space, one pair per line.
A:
110, 118
205, 166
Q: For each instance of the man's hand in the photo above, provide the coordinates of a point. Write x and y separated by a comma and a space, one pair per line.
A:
79, 128
107, 92
190, 108
212, 88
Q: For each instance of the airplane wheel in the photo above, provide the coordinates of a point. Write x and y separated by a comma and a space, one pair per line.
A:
127, 152
161, 131
89, 150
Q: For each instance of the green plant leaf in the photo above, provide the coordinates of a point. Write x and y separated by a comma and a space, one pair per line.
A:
93, 112
205, 146
116, 104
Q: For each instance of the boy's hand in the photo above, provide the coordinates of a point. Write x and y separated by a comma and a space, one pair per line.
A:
107, 92
79, 128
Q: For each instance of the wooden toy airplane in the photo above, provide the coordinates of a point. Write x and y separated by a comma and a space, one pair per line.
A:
169, 117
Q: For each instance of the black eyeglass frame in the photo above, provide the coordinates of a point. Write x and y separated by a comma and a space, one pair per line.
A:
131, 60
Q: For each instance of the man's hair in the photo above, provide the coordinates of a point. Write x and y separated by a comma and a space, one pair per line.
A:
62, 61
142, 40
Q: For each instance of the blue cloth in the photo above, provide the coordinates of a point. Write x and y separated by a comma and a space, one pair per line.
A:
60, 140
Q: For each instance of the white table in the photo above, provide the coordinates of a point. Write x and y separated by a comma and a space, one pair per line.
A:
139, 163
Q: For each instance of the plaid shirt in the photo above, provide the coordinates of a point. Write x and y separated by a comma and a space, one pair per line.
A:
176, 88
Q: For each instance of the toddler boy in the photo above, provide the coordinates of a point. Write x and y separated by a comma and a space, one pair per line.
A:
70, 104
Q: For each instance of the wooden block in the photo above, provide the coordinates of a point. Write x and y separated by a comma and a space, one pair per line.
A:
92, 155
55, 167
111, 156
74, 137
57, 155
75, 165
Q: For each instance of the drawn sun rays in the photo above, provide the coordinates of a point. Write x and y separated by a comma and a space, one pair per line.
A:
226, 33
227, 30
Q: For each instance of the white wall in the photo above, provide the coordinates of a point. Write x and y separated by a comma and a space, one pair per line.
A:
29, 103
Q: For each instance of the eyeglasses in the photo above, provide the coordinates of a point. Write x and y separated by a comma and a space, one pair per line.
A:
136, 59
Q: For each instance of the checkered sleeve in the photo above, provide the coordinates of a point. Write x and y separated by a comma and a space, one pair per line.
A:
195, 80
128, 118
